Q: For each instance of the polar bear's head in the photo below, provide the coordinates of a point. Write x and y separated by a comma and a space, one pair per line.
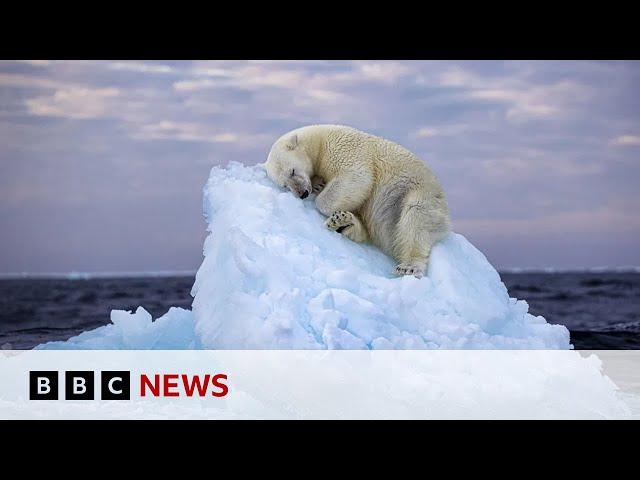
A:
289, 166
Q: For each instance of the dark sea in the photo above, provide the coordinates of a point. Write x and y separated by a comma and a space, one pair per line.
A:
602, 310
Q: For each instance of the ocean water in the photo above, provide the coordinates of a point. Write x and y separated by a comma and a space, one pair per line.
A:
601, 310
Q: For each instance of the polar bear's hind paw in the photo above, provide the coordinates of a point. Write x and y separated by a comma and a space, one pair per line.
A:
410, 269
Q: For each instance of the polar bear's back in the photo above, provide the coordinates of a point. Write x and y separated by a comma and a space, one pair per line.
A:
348, 146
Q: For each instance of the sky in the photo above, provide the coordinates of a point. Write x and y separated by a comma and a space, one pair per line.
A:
102, 163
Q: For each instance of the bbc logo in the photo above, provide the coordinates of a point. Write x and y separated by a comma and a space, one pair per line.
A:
79, 385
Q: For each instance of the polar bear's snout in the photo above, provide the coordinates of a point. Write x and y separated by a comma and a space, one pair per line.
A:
301, 187
300, 192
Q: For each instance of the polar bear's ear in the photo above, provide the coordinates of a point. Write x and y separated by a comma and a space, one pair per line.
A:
292, 143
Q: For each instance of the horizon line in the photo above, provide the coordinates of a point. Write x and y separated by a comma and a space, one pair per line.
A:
76, 275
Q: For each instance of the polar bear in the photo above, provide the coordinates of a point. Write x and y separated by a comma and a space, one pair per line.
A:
371, 189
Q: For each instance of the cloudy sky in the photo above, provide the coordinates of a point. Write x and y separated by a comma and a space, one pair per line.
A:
102, 163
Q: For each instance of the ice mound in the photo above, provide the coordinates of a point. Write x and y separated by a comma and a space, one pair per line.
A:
274, 277
136, 331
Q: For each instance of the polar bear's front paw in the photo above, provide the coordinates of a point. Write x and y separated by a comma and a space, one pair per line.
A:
317, 184
340, 220
410, 269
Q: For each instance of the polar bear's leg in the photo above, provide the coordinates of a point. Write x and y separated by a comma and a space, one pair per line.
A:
348, 224
413, 252
345, 192
419, 228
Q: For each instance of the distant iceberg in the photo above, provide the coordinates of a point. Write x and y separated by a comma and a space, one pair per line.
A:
273, 277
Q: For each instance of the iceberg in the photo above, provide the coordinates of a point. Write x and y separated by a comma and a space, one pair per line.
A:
273, 277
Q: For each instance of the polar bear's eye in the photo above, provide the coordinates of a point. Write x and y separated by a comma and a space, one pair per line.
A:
293, 172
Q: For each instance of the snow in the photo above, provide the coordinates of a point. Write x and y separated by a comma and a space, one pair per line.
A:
273, 277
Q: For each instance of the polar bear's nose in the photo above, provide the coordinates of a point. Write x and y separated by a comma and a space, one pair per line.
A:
305, 194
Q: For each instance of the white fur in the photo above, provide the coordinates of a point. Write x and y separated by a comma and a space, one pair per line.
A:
371, 189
